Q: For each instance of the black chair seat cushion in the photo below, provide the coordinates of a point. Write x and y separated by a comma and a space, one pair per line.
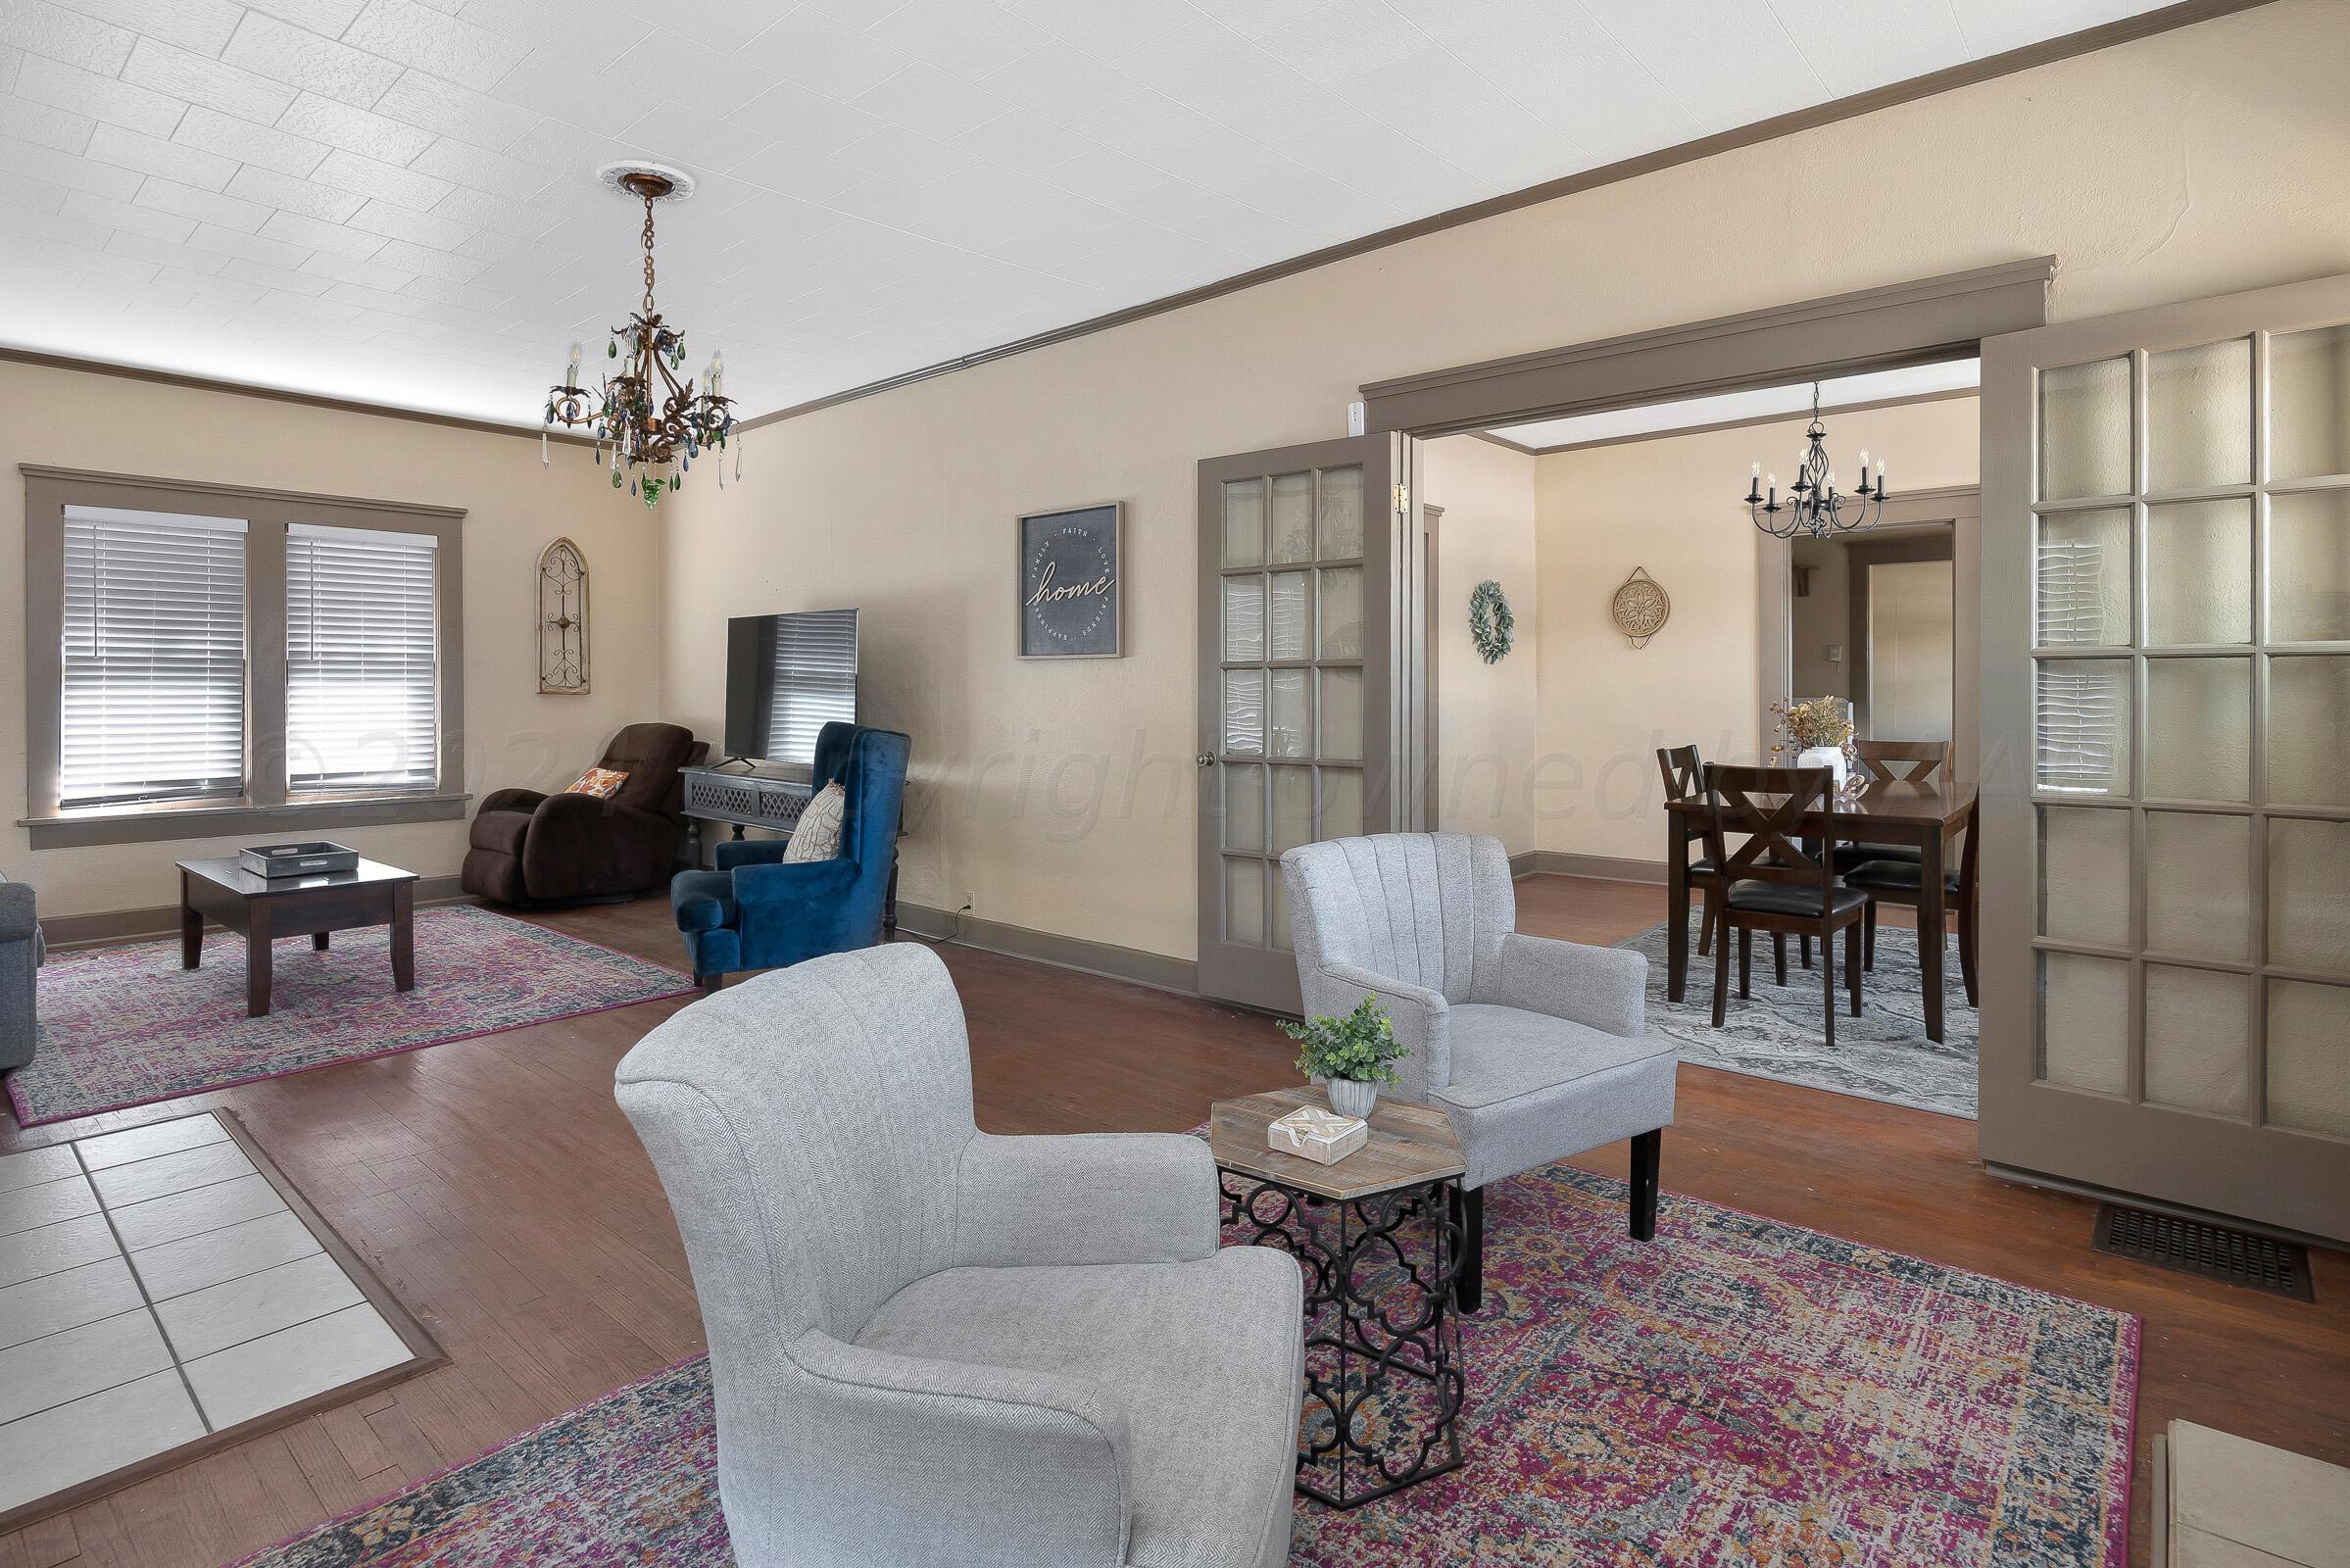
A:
1861, 854
1895, 876
1792, 898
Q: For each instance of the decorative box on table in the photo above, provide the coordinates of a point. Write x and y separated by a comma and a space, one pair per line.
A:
1322, 1136
313, 857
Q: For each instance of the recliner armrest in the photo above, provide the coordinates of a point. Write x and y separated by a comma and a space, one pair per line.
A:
511, 801
972, 1441
17, 921
1605, 988
1421, 1018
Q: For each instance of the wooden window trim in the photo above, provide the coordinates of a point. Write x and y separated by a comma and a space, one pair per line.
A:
264, 807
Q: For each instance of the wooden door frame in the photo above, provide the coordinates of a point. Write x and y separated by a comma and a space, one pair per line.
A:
1960, 507
1913, 323
1864, 555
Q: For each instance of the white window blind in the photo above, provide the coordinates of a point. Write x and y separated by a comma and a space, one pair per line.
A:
151, 701
361, 701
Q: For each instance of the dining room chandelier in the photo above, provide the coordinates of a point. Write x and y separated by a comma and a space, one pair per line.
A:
1813, 505
648, 425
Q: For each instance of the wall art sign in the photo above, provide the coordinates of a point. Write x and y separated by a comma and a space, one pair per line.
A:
562, 606
1072, 584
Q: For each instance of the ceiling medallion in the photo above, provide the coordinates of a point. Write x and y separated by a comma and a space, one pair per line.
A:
1814, 506
622, 414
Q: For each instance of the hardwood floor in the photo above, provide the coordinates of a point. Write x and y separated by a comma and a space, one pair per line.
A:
499, 1194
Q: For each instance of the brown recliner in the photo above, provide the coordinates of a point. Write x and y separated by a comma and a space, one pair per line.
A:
530, 848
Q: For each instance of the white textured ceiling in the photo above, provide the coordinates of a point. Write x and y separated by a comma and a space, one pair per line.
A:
393, 200
1942, 377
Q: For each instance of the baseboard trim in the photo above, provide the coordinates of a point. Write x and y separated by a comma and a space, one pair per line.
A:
1154, 970
66, 932
1602, 867
1523, 863
2113, 1195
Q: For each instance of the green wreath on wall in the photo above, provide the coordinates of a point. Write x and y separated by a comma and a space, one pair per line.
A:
1490, 624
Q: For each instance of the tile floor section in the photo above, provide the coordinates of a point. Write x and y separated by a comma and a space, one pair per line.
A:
154, 1288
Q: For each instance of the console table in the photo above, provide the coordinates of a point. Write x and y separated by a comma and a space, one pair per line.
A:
771, 794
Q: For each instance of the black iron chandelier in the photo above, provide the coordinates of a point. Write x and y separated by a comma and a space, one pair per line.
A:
1813, 505
644, 417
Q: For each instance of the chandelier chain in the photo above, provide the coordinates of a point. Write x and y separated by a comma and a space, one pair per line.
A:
648, 238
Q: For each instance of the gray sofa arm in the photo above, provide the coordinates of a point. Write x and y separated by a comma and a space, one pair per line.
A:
1605, 988
1013, 1467
20, 957
1421, 1018
1086, 1198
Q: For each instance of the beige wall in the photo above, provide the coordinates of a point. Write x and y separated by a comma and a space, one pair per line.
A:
1671, 506
2206, 159
514, 736
1485, 740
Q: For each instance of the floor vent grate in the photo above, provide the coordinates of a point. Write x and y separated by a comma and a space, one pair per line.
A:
2213, 1252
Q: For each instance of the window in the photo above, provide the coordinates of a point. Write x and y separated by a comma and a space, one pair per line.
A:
151, 701
201, 659
361, 661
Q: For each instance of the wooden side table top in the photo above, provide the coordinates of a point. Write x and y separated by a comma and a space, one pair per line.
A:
1409, 1144
228, 872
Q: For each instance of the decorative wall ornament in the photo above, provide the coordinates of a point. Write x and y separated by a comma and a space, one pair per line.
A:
563, 620
1490, 624
1072, 584
1640, 606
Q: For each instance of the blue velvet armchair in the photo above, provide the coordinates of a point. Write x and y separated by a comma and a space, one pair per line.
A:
759, 911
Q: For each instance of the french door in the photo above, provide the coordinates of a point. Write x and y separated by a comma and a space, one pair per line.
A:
1305, 695
2166, 629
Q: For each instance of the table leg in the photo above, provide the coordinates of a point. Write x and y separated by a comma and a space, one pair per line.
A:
258, 940
1677, 908
404, 936
191, 929
318, 940
1930, 931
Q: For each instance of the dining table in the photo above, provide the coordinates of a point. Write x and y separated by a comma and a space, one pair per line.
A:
1926, 815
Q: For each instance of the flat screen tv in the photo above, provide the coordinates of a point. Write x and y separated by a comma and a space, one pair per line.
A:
788, 676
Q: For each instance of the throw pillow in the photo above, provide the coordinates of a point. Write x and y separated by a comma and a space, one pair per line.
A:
818, 835
602, 782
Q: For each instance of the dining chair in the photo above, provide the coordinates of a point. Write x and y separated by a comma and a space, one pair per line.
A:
1685, 779
1778, 879
1902, 881
1893, 762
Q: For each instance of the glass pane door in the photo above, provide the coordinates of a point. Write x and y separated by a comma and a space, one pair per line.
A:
2182, 1024
1293, 656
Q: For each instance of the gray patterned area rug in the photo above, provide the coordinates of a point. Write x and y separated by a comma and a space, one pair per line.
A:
1882, 1054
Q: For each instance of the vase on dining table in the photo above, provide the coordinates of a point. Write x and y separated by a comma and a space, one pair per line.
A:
1831, 757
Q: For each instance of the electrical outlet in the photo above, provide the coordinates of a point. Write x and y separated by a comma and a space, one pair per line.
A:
970, 902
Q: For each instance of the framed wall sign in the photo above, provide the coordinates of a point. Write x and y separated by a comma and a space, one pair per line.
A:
1072, 584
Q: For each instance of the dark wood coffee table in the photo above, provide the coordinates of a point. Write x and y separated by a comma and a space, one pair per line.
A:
265, 908
1381, 1240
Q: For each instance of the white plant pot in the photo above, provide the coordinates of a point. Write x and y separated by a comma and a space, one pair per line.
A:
1352, 1097
1831, 757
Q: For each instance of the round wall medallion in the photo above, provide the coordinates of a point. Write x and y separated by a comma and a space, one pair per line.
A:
631, 177
1640, 606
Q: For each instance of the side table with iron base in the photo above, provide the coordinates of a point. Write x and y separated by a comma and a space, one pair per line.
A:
1380, 1239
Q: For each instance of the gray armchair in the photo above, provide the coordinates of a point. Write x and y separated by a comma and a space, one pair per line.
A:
1536, 1048
21, 955
933, 1346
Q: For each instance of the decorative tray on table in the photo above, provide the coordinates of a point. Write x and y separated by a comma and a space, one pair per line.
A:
313, 857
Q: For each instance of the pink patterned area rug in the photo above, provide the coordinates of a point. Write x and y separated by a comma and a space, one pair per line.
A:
127, 1026
1737, 1393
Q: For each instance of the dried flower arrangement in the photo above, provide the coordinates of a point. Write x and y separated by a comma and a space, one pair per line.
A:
1814, 722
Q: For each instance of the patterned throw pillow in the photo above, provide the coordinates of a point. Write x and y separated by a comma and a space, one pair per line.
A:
818, 835
602, 782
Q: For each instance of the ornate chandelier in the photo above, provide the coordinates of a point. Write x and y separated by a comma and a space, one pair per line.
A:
1814, 506
644, 415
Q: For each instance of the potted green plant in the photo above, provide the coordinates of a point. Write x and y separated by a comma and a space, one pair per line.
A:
1352, 1054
